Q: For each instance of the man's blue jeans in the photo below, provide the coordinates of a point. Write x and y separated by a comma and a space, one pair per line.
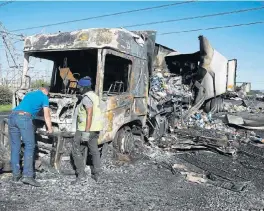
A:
21, 126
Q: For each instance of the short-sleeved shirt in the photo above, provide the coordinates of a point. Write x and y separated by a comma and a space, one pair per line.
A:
87, 102
33, 102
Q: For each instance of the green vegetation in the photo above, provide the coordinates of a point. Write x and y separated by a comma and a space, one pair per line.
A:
5, 96
39, 83
254, 92
5, 108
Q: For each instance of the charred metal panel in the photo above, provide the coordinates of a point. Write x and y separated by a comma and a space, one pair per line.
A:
139, 78
140, 106
122, 108
118, 39
211, 62
100, 73
159, 57
118, 112
150, 38
231, 76
206, 53
211, 72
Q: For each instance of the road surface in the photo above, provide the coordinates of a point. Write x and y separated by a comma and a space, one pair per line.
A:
140, 185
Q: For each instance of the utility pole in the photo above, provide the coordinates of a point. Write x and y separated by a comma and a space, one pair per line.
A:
14, 71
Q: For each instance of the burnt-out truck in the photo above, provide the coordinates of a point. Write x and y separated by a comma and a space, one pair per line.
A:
123, 66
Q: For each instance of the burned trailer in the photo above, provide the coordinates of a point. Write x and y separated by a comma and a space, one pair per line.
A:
119, 63
187, 83
209, 74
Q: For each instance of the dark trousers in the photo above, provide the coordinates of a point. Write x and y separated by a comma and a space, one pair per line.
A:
78, 146
21, 126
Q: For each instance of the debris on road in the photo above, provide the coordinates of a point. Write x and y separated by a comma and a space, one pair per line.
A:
194, 177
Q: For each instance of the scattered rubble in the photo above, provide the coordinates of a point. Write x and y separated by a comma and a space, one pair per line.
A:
194, 177
229, 107
260, 97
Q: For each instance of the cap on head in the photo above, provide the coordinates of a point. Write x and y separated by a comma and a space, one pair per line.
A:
85, 82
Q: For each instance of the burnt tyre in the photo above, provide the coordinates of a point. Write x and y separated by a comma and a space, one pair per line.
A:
124, 141
5, 149
129, 142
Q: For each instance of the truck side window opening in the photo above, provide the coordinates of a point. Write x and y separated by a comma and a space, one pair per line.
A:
40, 71
116, 75
80, 62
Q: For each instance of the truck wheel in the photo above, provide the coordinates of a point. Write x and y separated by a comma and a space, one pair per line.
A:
124, 141
5, 150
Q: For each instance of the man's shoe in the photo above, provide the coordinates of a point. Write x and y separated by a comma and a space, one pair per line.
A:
30, 181
95, 177
16, 178
81, 178
7, 167
78, 181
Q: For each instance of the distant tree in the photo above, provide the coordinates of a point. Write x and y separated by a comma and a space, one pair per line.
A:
254, 92
39, 83
5, 95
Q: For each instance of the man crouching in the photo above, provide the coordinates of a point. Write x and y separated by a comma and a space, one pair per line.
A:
89, 123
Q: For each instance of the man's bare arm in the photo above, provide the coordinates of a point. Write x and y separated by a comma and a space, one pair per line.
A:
47, 118
89, 118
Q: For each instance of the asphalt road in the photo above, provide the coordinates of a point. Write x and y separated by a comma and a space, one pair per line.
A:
147, 184
141, 185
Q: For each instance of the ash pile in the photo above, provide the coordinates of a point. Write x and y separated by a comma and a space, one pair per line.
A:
202, 139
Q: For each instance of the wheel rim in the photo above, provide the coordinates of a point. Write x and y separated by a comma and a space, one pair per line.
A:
127, 142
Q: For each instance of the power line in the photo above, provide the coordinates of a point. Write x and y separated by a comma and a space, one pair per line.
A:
108, 15
5, 3
4, 32
212, 28
195, 17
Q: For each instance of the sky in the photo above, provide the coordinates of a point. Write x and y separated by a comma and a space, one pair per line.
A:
245, 43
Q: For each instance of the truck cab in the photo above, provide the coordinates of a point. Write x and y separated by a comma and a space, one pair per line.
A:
118, 62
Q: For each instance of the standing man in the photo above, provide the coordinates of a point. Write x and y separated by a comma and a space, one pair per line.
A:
89, 123
20, 125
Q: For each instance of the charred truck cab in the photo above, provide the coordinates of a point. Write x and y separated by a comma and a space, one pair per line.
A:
118, 62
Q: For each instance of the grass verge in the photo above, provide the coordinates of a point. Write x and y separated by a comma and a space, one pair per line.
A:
5, 108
